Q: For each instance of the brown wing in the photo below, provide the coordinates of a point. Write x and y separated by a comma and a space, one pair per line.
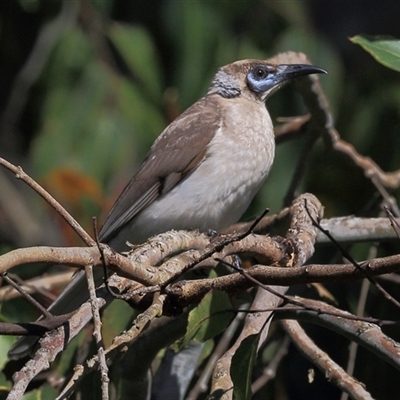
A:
175, 153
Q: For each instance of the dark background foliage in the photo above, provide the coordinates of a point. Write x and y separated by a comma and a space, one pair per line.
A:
108, 76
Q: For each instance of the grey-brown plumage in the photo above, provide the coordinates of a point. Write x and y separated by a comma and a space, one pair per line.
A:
202, 171
207, 165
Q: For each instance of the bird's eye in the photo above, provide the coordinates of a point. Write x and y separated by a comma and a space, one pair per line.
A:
259, 73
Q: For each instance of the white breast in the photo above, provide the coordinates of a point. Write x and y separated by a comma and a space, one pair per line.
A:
219, 191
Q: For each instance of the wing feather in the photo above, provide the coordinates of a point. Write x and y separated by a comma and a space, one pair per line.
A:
179, 149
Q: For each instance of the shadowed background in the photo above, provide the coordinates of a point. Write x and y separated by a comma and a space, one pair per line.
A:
87, 86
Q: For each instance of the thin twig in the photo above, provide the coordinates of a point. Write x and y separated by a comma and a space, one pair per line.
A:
97, 333
72, 222
104, 263
368, 335
290, 300
322, 360
269, 371
253, 280
118, 345
42, 285
27, 296
393, 222
300, 167
347, 255
362, 301
216, 245
201, 384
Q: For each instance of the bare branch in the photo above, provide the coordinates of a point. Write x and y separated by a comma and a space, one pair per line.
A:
269, 371
348, 229
365, 334
20, 174
97, 332
40, 284
302, 234
119, 343
202, 383
329, 368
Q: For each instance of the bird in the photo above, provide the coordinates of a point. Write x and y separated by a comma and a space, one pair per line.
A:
203, 170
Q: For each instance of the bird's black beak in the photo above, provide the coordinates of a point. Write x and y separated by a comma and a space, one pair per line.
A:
285, 72
266, 79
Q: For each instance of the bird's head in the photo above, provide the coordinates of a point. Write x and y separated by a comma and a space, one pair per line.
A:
256, 78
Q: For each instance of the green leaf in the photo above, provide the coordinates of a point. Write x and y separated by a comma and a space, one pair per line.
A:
196, 48
44, 393
144, 117
30, 6
5, 344
116, 317
5, 386
385, 49
208, 319
67, 360
242, 367
139, 53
